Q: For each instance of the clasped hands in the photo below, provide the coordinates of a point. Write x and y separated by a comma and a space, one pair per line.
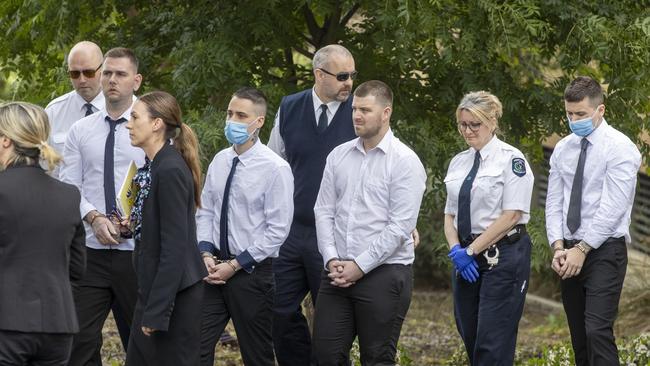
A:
568, 263
343, 273
465, 264
218, 273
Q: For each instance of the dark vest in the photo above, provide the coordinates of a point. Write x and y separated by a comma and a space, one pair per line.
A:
307, 150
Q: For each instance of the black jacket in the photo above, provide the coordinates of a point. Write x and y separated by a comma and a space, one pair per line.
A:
167, 259
42, 248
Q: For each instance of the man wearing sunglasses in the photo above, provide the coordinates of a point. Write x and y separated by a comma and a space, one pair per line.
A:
84, 62
308, 125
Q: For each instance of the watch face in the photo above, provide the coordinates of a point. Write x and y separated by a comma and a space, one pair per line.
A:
469, 251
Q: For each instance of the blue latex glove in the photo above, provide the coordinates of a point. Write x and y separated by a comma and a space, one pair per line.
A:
470, 273
454, 249
460, 258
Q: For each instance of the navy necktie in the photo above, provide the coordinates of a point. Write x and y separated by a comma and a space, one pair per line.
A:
89, 109
464, 217
224, 249
322, 120
575, 202
109, 167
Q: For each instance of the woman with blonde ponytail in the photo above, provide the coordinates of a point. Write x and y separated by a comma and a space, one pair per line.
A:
167, 322
40, 232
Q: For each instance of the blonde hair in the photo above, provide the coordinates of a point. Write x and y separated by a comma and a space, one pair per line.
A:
484, 106
27, 126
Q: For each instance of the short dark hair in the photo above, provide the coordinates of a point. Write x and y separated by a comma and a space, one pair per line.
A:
584, 87
380, 90
123, 52
254, 95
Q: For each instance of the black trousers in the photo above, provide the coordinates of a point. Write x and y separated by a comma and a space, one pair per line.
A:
297, 271
34, 349
488, 311
110, 278
180, 345
248, 300
373, 309
591, 304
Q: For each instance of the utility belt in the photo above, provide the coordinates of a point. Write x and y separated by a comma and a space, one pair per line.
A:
511, 237
570, 243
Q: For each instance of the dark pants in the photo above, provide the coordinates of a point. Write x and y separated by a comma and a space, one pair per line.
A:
297, 271
488, 311
180, 344
248, 300
591, 303
110, 278
373, 309
34, 349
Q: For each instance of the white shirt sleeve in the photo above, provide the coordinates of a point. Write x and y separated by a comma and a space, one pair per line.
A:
72, 168
517, 190
554, 201
405, 196
276, 143
618, 188
278, 211
205, 214
324, 211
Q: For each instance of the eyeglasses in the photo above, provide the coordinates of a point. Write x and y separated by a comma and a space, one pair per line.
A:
89, 74
473, 126
342, 76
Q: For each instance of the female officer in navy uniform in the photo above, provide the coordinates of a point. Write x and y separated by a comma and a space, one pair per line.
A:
489, 188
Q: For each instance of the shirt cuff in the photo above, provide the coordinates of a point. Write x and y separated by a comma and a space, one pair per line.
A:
246, 261
328, 254
206, 246
85, 208
366, 262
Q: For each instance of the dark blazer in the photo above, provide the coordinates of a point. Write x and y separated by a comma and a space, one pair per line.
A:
167, 258
42, 248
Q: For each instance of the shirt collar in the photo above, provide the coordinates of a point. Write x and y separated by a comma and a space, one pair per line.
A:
96, 102
331, 106
383, 145
598, 133
489, 148
249, 154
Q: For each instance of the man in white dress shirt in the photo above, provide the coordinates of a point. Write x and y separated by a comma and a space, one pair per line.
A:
96, 158
588, 206
84, 65
246, 215
366, 209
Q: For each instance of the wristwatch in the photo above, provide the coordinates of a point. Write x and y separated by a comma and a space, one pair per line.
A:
583, 247
469, 251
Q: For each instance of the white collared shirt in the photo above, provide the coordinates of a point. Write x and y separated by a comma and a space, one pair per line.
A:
504, 181
368, 203
276, 143
63, 112
83, 165
608, 186
260, 202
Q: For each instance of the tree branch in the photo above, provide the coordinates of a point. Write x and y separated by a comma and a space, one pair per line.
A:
346, 18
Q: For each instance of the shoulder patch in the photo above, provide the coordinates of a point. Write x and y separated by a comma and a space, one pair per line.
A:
519, 167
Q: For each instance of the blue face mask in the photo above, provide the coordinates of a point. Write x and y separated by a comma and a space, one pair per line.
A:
583, 127
237, 132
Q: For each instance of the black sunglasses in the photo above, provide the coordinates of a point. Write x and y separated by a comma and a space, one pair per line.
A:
342, 76
89, 74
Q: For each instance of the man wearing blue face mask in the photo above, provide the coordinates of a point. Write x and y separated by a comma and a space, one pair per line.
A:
246, 213
588, 206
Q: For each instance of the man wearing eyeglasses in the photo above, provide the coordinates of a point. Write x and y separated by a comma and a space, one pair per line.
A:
308, 125
84, 62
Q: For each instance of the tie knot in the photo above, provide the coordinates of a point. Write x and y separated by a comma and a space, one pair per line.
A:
477, 156
113, 122
89, 108
323, 107
584, 143
235, 160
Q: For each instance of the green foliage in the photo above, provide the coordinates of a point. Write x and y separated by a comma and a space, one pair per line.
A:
429, 52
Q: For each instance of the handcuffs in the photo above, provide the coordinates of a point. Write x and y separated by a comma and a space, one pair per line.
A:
493, 260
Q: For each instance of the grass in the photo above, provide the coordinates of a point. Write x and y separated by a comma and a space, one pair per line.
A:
429, 335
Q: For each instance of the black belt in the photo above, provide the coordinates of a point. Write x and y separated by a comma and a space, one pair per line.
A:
511, 237
570, 243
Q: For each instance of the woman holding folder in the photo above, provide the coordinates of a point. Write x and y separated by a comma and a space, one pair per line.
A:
166, 327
